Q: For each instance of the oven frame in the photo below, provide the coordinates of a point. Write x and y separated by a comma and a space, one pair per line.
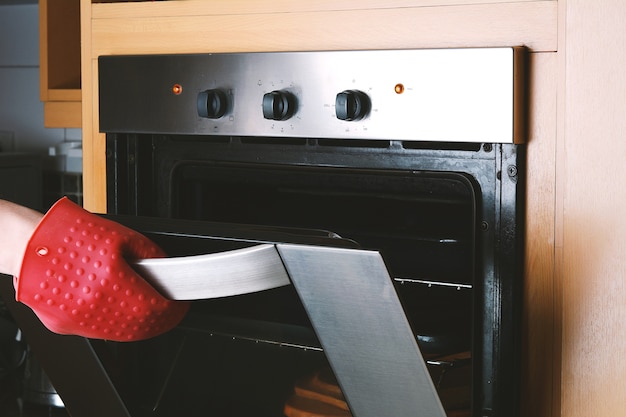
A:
496, 170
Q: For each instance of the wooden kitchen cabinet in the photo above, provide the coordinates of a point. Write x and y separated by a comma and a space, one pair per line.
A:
196, 26
59, 56
573, 337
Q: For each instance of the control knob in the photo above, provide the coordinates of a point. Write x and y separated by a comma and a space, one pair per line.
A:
278, 105
352, 105
212, 103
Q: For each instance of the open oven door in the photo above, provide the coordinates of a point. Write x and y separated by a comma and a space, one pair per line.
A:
347, 293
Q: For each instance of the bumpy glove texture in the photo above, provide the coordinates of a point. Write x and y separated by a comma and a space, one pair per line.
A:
75, 277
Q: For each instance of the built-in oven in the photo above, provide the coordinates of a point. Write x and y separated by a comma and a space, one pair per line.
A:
412, 154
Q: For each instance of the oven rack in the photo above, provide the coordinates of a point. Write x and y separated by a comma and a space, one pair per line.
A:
450, 372
433, 283
440, 351
256, 331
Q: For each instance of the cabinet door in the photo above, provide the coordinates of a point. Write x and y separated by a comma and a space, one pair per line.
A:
60, 80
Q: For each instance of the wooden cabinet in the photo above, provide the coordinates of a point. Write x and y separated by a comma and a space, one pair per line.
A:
59, 55
196, 26
575, 296
591, 171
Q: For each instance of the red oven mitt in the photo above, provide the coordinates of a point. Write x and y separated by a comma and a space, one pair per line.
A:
75, 277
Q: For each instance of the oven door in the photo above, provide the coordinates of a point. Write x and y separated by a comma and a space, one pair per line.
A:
443, 216
341, 317
328, 344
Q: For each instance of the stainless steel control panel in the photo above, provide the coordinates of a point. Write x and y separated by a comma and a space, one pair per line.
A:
448, 95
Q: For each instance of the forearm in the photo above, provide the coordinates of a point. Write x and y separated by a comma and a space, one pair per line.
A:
17, 224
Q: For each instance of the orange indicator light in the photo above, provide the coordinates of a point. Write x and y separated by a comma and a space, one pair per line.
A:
177, 89
399, 88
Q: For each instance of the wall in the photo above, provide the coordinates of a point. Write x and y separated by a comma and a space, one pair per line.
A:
21, 111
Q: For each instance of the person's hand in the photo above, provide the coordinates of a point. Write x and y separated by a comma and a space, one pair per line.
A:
75, 277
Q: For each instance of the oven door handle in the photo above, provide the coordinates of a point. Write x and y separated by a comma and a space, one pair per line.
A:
223, 274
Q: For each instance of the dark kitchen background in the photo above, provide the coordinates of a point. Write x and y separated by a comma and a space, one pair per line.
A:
22, 127
37, 166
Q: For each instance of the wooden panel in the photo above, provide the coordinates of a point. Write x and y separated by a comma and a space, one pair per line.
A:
59, 57
594, 226
541, 318
94, 149
241, 7
64, 95
62, 114
59, 53
63, 42
97, 150
532, 24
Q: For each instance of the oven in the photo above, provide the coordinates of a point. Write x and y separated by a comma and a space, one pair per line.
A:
416, 155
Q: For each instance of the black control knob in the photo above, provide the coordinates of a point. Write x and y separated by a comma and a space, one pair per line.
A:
352, 105
212, 104
278, 105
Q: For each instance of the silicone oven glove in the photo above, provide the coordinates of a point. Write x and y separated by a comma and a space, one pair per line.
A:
75, 277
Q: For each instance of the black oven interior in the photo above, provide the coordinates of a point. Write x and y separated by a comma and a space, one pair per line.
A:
444, 218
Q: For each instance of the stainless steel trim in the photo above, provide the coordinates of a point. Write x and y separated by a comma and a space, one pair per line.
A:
440, 95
